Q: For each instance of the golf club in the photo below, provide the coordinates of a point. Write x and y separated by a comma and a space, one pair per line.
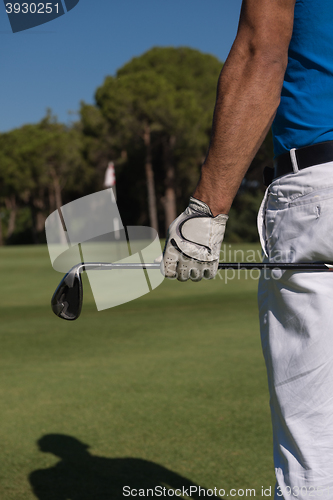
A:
67, 299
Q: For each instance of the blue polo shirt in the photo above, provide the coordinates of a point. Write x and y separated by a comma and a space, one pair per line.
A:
305, 114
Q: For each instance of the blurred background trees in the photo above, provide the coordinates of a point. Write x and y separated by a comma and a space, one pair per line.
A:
153, 120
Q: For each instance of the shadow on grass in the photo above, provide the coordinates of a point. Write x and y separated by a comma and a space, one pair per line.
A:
81, 476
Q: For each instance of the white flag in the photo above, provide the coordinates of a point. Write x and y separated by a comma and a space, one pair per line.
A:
110, 176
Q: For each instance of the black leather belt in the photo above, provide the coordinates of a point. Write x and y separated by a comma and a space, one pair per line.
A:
306, 157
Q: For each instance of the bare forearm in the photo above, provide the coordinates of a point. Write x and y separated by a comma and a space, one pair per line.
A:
247, 99
248, 95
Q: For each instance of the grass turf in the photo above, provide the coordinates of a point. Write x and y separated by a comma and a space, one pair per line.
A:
169, 389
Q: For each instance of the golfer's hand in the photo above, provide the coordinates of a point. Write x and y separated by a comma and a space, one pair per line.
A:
193, 243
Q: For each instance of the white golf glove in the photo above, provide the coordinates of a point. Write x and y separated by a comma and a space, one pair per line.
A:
194, 239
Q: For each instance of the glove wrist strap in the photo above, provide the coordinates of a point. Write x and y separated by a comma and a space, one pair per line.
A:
200, 206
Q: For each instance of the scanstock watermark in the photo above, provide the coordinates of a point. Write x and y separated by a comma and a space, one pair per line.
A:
196, 492
90, 230
27, 14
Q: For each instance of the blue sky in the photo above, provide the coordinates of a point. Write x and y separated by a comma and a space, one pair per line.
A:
62, 62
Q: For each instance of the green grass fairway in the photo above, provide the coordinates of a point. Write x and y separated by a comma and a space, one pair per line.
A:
169, 389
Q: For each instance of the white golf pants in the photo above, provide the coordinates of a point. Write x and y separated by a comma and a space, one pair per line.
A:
296, 321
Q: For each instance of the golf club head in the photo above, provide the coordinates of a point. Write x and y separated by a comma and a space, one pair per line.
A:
67, 299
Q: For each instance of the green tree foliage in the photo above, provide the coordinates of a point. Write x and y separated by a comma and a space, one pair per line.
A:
41, 168
158, 110
167, 94
193, 76
98, 142
153, 119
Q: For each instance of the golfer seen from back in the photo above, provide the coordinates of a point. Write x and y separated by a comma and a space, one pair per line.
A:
279, 73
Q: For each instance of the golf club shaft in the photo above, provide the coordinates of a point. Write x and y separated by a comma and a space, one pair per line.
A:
67, 299
299, 266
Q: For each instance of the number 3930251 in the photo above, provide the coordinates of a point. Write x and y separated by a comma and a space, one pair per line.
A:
32, 8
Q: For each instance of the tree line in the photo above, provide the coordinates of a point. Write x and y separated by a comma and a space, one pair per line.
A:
153, 120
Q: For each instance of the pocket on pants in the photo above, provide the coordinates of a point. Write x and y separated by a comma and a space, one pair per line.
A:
301, 230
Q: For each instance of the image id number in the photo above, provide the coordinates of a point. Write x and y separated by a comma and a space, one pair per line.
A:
33, 8
295, 491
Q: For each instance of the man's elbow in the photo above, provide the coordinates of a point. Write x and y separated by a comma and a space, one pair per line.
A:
273, 60
268, 53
